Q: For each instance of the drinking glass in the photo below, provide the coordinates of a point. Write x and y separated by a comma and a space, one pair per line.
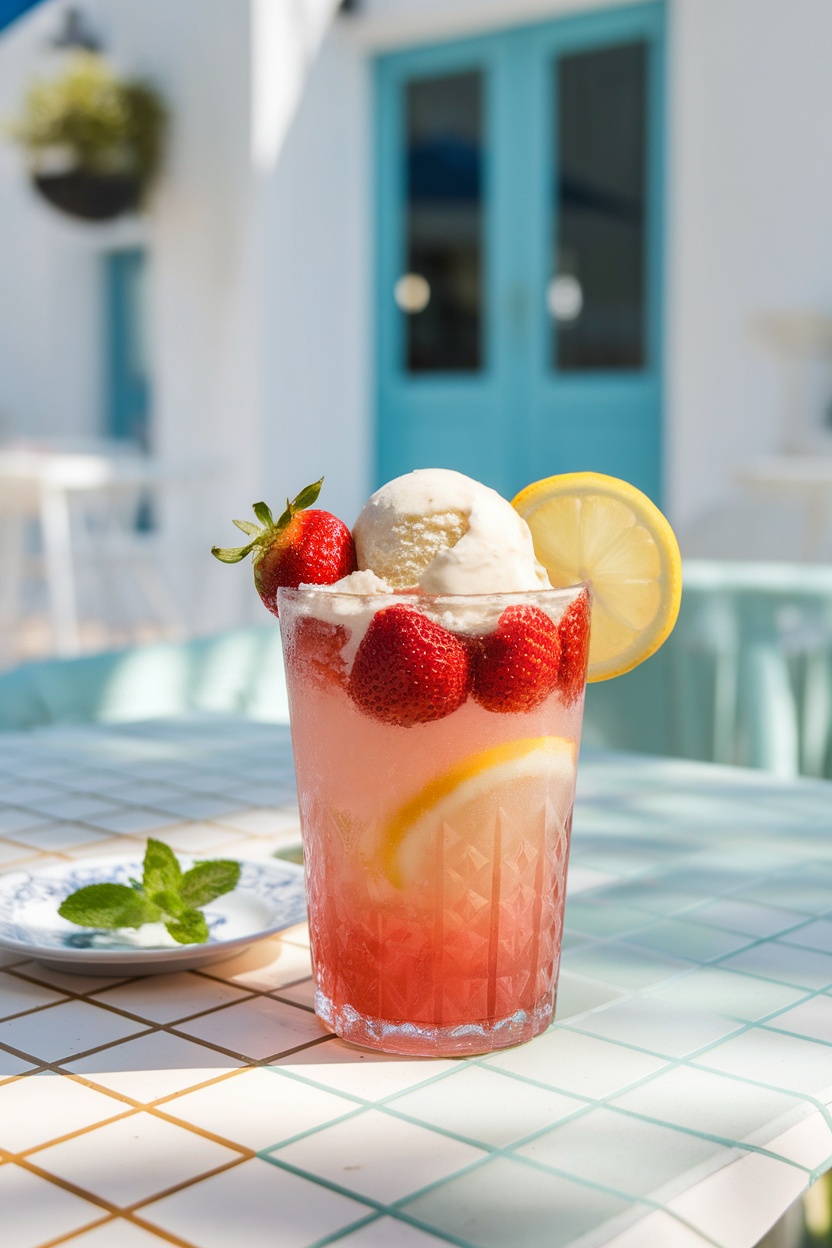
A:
436, 853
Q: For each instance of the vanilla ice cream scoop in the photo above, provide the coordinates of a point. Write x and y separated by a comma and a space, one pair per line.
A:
447, 534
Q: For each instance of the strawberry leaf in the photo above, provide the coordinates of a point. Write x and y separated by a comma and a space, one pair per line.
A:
161, 870
307, 497
207, 880
231, 554
246, 526
263, 514
190, 928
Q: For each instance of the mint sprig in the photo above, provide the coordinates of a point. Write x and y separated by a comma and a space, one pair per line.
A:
165, 893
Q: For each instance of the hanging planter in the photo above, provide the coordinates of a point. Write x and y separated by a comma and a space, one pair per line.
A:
94, 143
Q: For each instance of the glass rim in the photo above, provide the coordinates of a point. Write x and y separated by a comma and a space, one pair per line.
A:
414, 596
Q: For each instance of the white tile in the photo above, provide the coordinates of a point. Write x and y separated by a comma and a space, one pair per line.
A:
508, 1202
133, 1159
302, 993
55, 837
197, 806
809, 1143
265, 822
10, 853
788, 964
618, 1151
61, 1031
77, 985
164, 998
66, 806
17, 995
268, 964
196, 838
775, 1058
259, 1108
11, 1065
389, 1233
577, 995
43, 1107
133, 820
744, 916
36, 1211
13, 819
255, 1029
358, 1072
581, 878
816, 935
154, 1065
117, 1233
739, 1203
670, 1030
258, 1204
726, 992
659, 1230
710, 1103
812, 1018
364, 1155
486, 1106
578, 1064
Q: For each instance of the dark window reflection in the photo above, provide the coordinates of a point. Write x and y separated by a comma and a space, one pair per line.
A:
597, 295
441, 292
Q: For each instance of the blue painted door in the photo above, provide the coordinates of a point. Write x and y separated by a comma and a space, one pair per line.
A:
127, 369
519, 252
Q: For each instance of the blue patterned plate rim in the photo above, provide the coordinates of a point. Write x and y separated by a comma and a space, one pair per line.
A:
269, 898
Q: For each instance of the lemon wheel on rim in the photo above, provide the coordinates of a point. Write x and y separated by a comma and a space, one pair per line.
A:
590, 527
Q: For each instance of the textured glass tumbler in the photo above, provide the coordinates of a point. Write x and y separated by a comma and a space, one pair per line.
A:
436, 852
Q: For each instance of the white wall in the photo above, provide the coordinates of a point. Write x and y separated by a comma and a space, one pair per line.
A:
49, 380
750, 222
315, 289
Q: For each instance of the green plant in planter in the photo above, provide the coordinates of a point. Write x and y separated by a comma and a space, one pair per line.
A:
94, 142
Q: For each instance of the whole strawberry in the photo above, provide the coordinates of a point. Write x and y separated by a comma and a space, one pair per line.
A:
409, 670
516, 667
573, 631
303, 547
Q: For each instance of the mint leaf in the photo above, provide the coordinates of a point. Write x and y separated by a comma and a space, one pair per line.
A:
207, 880
169, 902
189, 929
108, 906
162, 872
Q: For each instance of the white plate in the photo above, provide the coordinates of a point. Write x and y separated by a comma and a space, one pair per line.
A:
269, 897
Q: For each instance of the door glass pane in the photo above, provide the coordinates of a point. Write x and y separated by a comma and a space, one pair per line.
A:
596, 296
440, 293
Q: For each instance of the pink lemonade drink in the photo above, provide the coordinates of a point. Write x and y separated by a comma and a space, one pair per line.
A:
436, 744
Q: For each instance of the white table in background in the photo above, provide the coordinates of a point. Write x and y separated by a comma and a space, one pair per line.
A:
41, 482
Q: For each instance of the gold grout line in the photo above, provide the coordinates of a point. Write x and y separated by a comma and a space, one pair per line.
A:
167, 1236
81, 1192
79, 1230
72, 1135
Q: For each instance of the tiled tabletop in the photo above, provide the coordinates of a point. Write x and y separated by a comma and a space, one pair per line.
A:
682, 1098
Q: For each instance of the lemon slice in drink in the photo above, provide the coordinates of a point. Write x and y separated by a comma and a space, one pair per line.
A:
517, 785
588, 527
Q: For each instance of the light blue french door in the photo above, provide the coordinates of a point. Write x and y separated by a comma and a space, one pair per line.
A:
127, 400
519, 248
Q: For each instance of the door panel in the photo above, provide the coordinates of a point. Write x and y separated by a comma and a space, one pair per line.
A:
519, 249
